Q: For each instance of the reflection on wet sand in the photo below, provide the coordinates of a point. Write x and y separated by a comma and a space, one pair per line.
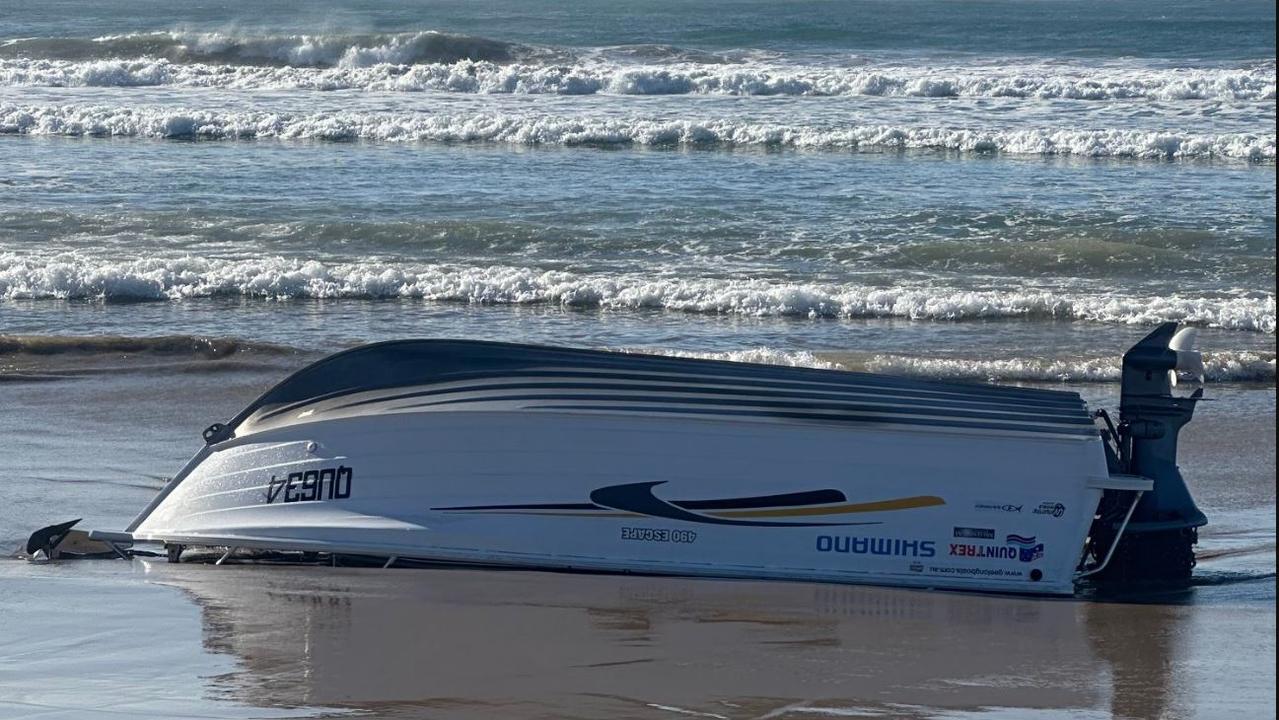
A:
1136, 643
455, 643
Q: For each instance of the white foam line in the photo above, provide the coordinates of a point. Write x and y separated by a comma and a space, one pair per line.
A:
166, 122
368, 70
1220, 366
73, 275
759, 355
1223, 366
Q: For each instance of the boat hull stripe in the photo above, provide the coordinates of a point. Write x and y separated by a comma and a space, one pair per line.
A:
919, 501
779, 404
843, 418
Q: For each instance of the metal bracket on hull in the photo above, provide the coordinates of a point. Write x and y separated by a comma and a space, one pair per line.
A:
1133, 483
1118, 536
216, 433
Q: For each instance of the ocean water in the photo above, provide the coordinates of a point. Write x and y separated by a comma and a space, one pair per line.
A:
196, 199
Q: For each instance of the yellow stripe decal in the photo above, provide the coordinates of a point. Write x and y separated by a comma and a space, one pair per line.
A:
907, 503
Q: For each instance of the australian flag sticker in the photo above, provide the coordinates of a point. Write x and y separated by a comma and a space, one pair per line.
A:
1027, 549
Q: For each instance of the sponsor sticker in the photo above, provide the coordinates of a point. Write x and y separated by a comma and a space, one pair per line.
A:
1027, 549
917, 566
997, 552
977, 533
999, 507
876, 546
1055, 509
1015, 547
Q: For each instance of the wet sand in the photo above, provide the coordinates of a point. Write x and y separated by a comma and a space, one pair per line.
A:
148, 639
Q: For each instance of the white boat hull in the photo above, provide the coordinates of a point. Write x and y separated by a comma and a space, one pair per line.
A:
457, 451
957, 509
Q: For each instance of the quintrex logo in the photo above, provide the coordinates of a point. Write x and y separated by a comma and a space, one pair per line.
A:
1055, 509
1025, 549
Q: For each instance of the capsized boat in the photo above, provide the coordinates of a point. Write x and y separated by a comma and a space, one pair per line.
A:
497, 454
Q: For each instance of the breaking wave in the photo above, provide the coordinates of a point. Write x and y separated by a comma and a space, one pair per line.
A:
73, 276
757, 355
354, 72
274, 50
163, 122
1238, 366
1226, 366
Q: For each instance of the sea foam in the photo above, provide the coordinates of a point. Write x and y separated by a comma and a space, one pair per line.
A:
1221, 366
757, 355
371, 70
610, 131
74, 276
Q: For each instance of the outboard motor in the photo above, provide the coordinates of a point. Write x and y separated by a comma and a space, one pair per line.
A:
1158, 542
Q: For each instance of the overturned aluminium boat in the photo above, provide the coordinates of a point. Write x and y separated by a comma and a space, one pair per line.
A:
483, 453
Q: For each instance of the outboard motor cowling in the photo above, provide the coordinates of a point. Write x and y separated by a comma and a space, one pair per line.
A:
1159, 540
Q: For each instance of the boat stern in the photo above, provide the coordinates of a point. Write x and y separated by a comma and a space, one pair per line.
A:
1153, 536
